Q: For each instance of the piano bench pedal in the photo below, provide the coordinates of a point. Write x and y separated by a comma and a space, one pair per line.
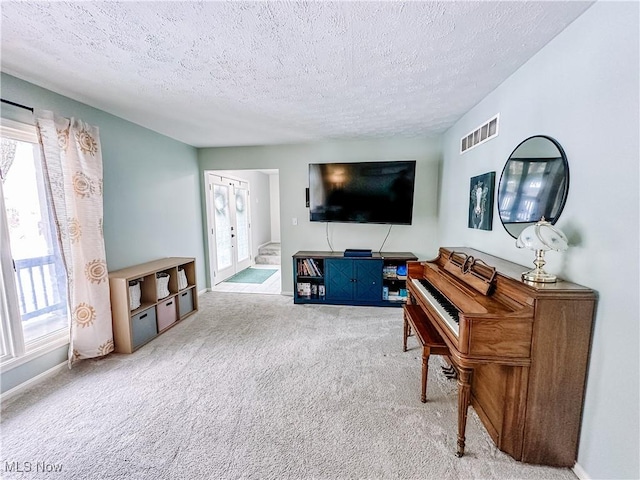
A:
432, 344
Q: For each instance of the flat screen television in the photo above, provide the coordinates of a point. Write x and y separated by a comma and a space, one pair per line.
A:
362, 192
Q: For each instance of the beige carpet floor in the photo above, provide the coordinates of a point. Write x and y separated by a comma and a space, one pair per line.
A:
254, 387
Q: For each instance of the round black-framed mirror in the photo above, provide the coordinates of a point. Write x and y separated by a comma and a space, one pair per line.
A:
534, 183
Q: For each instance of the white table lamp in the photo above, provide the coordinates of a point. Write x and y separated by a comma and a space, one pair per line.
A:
540, 238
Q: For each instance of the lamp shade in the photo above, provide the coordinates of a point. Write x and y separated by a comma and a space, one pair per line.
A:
542, 236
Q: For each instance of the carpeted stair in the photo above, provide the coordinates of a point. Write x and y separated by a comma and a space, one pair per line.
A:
269, 254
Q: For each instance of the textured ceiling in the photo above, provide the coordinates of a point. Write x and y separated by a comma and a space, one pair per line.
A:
252, 73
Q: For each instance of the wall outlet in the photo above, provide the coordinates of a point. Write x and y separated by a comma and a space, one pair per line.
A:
294, 221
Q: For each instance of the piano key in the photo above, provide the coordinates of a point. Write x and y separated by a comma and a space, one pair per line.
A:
447, 311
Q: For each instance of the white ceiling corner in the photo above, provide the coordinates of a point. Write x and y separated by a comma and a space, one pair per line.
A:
250, 73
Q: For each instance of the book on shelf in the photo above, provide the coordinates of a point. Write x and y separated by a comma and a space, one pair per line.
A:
314, 267
303, 269
309, 267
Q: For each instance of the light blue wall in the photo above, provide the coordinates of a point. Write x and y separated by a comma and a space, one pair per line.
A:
292, 161
582, 90
151, 188
152, 198
28, 370
151, 182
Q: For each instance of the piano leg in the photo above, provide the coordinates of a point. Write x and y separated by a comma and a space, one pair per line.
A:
407, 333
426, 352
464, 394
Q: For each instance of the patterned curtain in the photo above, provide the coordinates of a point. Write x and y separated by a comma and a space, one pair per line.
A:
72, 165
8, 156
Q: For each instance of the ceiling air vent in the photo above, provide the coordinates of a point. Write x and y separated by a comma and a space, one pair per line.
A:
480, 134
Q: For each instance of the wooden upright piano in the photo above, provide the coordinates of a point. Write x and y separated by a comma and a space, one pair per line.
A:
520, 350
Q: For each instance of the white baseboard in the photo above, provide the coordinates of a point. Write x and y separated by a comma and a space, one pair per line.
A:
580, 473
32, 381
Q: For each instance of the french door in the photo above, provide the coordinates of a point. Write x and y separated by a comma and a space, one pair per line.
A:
229, 226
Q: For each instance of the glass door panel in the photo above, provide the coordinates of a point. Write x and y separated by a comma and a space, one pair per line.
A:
39, 272
229, 217
243, 251
222, 225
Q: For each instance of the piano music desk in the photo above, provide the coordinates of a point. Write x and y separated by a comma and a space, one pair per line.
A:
431, 341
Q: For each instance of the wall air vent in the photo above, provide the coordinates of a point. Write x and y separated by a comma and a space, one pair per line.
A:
480, 135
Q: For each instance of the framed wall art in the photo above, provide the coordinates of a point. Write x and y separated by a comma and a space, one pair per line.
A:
481, 201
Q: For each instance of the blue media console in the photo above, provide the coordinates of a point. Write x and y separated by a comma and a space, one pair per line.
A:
376, 279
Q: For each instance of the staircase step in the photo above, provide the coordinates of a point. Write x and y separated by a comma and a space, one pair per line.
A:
269, 249
269, 254
268, 260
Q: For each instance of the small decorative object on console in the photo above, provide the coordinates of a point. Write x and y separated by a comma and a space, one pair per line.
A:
401, 272
541, 237
304, 289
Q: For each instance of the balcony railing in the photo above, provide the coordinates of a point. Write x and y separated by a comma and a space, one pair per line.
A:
41, 285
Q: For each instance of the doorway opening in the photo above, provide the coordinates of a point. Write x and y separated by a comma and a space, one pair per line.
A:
243, 216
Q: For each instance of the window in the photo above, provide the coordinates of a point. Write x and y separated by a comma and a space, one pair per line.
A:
34, 303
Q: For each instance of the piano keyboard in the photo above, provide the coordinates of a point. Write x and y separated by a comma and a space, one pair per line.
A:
447, 311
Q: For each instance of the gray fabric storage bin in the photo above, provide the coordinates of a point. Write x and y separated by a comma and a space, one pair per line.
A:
143, 326
185, 302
